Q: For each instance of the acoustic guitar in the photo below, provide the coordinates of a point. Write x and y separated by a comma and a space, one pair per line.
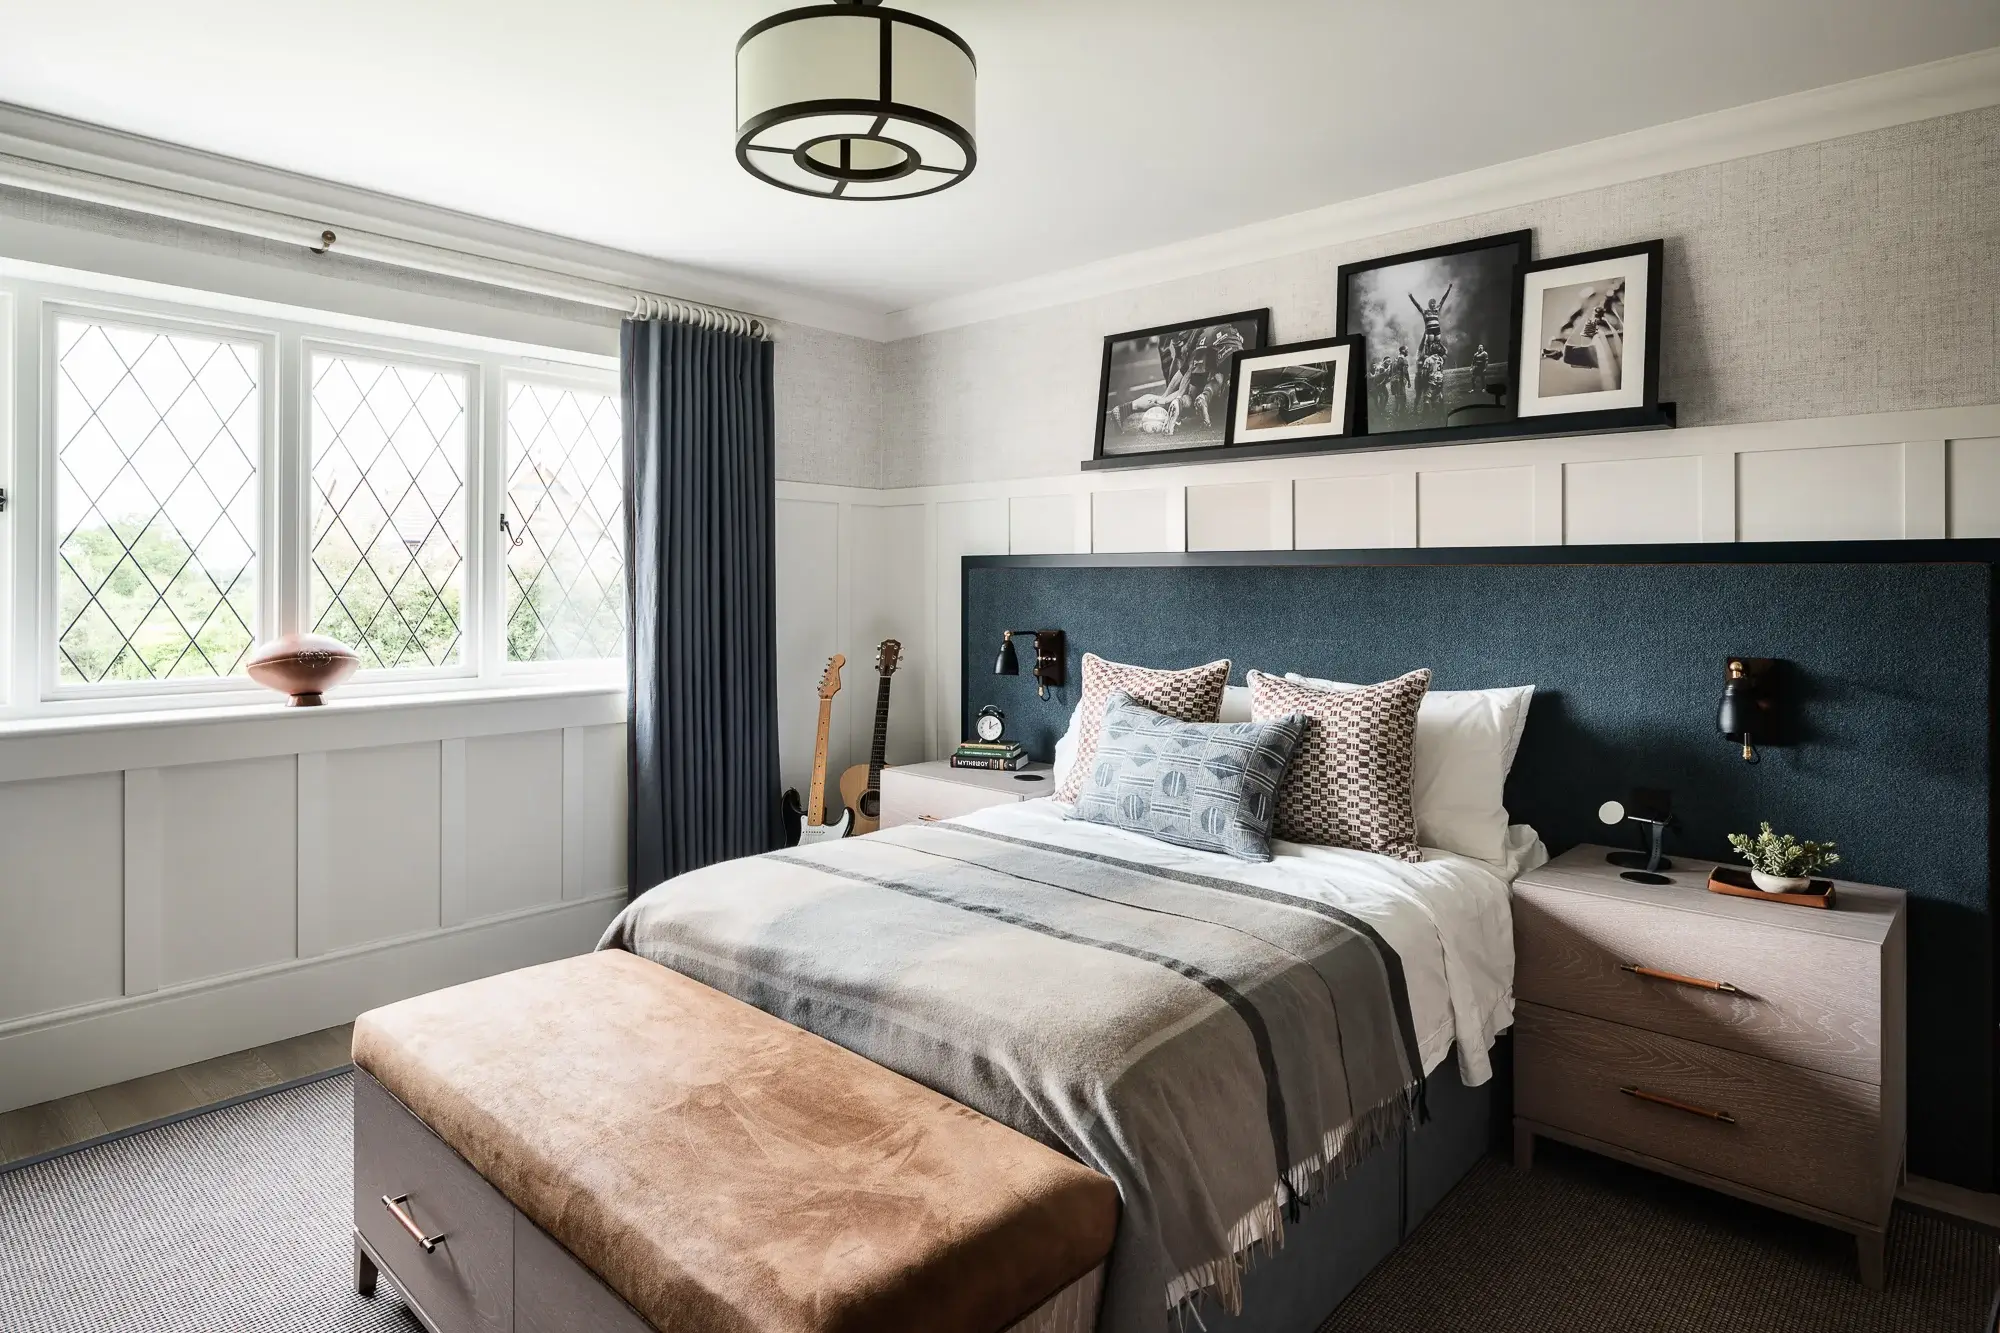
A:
816, 829
861, 785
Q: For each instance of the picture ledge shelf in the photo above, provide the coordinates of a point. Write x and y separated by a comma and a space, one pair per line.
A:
1617, 421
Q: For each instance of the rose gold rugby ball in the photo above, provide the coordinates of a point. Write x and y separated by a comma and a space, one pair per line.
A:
304, 666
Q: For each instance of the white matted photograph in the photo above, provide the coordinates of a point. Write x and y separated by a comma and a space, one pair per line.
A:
1590, 323
1301, 391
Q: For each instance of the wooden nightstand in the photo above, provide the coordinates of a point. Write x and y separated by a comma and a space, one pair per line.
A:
1754, 1048
936, 790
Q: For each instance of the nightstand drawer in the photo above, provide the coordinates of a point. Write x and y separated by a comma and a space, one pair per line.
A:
1798, 998
1797, 1133
921, 791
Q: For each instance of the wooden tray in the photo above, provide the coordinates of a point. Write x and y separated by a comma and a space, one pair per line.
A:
1738, 884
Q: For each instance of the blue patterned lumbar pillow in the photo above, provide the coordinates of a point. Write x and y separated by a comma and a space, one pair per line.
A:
1207, 785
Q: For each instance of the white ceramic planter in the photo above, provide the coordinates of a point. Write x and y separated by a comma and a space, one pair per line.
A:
1780, 883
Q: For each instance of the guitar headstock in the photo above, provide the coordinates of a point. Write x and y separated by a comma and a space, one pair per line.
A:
888, 654
829, 679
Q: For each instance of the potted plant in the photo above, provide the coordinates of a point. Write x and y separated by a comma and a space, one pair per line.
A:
1780, 863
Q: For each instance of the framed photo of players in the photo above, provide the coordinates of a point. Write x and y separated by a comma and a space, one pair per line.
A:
1440, 330
1592, 324
1301, 391
1168, 387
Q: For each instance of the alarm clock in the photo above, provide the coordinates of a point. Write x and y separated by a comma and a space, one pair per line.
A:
989, 722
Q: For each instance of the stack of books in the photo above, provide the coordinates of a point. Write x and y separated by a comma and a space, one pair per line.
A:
995, 754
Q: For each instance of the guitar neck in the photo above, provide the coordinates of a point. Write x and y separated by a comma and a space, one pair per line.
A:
881, 743
816, 804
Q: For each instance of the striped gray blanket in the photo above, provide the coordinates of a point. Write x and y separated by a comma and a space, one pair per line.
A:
1221, 1051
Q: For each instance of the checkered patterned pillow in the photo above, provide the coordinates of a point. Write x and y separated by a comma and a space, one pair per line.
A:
1349, 784
1193, 695
1207, 785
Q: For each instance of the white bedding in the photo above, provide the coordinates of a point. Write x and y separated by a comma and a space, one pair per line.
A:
1447, 916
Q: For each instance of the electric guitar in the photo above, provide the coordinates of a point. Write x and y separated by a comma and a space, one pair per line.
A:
861, 785
816, 829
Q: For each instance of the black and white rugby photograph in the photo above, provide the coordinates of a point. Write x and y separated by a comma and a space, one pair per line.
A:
1440, 328
1168, 387
1590, 325
1301, 391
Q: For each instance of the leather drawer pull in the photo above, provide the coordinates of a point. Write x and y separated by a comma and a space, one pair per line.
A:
1680, 980
1658, 1100
409, 1224
927, 819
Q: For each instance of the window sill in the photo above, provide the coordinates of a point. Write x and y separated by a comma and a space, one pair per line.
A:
187, 712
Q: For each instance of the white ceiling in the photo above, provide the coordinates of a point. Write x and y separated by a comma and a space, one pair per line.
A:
1105, 126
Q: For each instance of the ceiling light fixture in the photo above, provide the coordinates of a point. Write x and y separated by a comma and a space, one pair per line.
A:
854, 101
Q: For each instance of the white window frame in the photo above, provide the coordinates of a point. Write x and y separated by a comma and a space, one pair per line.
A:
579, 383
33, 298
47, 648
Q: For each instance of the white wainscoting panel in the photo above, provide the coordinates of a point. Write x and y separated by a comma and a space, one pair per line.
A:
1613, 500
1240, 516
1852, 493
964, 527
229, 867
513, 822
891, 601
1043, 525
1974, 470
602, 820
383, 841
1488, 506
1137, 520
145, 875
1354, 513
62, 878
810, 587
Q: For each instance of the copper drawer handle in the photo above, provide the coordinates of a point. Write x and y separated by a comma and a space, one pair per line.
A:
409, 1224
1658, 1100
1679, 980
928, 819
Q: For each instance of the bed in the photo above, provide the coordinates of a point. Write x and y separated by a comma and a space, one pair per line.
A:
1282, 1064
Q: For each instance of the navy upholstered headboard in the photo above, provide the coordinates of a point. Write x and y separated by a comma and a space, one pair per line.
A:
1889, 647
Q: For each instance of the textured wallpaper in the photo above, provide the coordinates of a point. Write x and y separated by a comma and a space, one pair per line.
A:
1854, 276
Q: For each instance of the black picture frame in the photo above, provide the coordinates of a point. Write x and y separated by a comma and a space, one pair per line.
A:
1470, 416
1654, 252
1260, 320
1348, 424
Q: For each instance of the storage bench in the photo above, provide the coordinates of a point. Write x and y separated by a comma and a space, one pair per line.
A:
603, 1145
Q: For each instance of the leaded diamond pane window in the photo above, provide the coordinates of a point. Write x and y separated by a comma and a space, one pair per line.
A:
388, 509
565, 525
157, 440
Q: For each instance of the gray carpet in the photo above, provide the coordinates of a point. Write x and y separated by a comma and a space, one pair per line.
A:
232, 1220
1585, 1245
238, 1220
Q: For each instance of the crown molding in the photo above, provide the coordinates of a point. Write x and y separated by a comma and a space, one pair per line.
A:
1899, 97
121, 170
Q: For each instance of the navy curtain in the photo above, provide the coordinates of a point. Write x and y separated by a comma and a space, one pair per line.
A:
701, 657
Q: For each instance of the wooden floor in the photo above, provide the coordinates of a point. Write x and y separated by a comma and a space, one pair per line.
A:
45, 1128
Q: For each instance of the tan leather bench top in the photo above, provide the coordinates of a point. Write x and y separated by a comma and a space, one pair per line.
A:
723, 1170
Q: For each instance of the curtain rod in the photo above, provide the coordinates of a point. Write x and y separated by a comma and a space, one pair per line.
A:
244, 220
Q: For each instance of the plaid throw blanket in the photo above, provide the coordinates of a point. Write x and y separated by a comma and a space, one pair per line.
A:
1219, 1050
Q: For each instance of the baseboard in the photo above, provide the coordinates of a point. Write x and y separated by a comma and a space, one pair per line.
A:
1954, 1201
110, 1043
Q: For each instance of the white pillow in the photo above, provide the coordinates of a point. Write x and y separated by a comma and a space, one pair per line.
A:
1235, 708
1465, 745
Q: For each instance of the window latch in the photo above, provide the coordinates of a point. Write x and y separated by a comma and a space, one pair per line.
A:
505, 531
3, 499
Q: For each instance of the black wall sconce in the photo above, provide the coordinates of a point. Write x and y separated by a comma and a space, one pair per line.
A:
1048, 658
1748, 714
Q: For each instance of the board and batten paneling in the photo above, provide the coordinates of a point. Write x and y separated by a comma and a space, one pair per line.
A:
1973, 487
62, 911
811, 610
1046, 524
1611, 501
1491, 506
890, 580
962, 528
1240, 516
227, 903
1148, 519
1852, 492
382, 840
512, 822
1354, 512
